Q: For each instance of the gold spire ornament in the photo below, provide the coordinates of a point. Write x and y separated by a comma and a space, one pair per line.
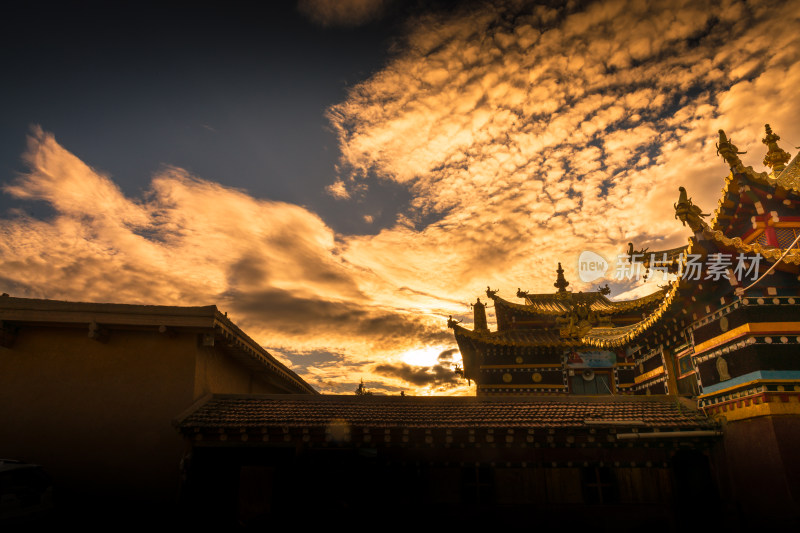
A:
561, 283
776, 157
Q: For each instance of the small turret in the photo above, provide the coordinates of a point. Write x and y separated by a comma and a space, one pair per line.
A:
561, 283
479, 311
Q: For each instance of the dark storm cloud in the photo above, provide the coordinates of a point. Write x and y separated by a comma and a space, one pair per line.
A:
439, 375
335, 322
447, 355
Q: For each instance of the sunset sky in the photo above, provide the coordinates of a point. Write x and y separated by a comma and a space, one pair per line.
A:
340, 176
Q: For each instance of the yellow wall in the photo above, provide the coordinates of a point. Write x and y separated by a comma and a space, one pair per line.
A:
94, 413
218, 373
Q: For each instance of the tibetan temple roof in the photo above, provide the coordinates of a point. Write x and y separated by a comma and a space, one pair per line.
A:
749, 246
245, 412
513, 337
655, 305
557, 304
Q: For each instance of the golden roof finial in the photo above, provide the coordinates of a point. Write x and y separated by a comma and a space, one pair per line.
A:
686, 211
729, 152
776, 157
561, 283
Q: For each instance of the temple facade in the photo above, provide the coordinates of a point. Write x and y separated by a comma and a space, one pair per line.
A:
540, 346
725, 325
723, 331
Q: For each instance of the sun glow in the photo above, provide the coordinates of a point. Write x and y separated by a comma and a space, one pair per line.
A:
427, 356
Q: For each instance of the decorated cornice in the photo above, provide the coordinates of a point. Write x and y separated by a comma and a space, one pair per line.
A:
619, 336
787, 178
773, 254
731, 186
556, 304
527, 338
614, 337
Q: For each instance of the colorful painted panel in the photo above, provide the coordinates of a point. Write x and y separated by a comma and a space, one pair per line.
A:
685, 365
590, 358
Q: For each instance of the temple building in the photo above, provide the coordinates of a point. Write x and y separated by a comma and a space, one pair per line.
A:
542, 347
724, 331
681, 408
678, 408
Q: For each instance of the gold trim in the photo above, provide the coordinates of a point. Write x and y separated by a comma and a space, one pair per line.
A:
721, 339
759, 231
759, 381
770, 253
555, 366
763, 408
648, 375
750, 327
521, 386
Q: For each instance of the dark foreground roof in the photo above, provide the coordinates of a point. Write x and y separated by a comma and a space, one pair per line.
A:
204, 319
248, 412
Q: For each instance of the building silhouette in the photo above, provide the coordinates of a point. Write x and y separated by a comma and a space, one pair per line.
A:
680, 409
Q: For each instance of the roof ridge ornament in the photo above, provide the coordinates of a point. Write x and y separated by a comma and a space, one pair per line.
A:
729, 152
561, 283
633, 253
580, 319
686, 211
776, 157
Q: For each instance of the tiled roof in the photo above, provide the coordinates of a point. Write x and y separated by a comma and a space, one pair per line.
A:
248, 412
789, 178
556, 305
605, 336
517, 337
